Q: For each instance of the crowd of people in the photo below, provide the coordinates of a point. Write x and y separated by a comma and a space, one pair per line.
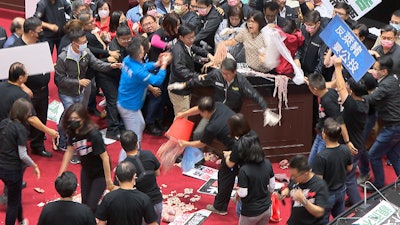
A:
147, 60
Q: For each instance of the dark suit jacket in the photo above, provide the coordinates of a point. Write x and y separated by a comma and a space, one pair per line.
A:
210, 25
183, 65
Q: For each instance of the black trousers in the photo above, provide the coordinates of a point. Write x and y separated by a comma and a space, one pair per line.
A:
226, 180
40, 102
109, 83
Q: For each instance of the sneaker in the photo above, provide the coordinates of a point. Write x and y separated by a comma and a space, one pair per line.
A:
212, 209
362, 178
75, 159
24, 222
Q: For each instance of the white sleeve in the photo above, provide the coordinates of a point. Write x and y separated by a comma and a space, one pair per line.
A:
242, 192
271, 186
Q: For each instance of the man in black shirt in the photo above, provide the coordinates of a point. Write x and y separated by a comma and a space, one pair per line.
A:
218, 114
271, 12
52, 13
327, 107
386, 100
310, 56
331, 164
38, 84
309, 194
210, 20
66, 211
126, 205
355, 115
147, 169
181, 7
109, 82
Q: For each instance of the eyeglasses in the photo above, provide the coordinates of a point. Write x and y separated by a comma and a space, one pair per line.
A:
148, 24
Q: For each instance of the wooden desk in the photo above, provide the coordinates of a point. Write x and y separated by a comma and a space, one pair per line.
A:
293, 137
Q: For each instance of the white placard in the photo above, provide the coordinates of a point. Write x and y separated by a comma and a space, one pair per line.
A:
30, 7
36, 58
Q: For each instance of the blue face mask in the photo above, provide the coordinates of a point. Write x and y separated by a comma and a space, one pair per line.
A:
82, 47
396, 26
245, 1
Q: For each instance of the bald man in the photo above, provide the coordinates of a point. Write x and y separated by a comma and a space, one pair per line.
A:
17, 29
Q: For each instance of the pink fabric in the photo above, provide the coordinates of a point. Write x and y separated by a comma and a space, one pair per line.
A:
293, 42
157, 42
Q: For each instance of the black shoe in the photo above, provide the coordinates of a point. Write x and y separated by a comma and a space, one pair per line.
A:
154, 130
94, 112
43, 153
161, 126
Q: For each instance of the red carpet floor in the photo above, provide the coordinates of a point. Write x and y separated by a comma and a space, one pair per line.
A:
174, 180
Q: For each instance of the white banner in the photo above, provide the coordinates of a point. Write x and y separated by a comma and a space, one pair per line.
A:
358, 7
36, 58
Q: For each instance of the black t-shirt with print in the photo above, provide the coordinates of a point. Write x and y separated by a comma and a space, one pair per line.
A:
89, 147
316, 191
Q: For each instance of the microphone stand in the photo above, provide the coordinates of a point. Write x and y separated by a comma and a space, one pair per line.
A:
380, 193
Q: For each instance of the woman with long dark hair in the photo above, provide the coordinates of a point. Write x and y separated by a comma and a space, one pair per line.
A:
256, 182
14, 157
85, 139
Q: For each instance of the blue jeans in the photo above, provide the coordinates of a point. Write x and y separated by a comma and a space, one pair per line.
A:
318, 145
351, 185
67, 101
335, 203
363, 154
13, 182
387, 143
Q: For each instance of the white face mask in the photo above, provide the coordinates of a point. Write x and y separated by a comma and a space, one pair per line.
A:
103, 13
82, 47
